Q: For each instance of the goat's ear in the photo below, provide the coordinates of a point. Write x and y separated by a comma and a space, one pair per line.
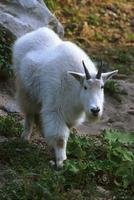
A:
78, 76
108, 75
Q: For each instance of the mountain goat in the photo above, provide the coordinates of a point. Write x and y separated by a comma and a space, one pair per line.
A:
57, 82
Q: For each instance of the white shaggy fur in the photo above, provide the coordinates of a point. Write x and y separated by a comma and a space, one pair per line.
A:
52, 87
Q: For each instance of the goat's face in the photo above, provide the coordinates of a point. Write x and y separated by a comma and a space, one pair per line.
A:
92, 91
92, 97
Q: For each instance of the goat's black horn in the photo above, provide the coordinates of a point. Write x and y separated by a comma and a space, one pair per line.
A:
99, 71
86, 71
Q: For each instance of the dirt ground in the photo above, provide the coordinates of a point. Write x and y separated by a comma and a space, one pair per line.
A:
117, 115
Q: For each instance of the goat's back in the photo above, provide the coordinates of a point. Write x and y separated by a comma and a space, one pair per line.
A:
43, 38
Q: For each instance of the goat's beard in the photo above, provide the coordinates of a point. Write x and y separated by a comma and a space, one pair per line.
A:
92, 118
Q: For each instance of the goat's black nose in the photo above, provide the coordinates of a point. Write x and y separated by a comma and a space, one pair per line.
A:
95, 111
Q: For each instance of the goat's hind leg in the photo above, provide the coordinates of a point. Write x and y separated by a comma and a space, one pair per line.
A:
28, 127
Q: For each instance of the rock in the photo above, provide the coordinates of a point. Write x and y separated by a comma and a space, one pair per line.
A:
115, 37
22, 16
131, 111
11, 107
103, 191
112, 7
113, 14
2, 113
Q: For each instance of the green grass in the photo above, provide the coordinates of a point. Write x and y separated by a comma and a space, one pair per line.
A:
106, 161
51, 4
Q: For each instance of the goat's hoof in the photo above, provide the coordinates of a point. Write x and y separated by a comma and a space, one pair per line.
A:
59, 164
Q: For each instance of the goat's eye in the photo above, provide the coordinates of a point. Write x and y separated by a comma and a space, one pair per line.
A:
85, 87
102, 86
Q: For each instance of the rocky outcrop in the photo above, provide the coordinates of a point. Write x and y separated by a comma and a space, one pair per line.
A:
22, 16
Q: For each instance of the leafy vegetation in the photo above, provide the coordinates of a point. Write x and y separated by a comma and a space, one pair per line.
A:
93, 19
105, 162
9, 127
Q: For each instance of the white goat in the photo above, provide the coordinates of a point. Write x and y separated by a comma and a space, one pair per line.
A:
57, 82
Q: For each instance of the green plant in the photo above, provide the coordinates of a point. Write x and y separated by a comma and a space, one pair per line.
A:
111, 87
122, 57
9, 126
93, 19
51, 4
6, 41
121, 156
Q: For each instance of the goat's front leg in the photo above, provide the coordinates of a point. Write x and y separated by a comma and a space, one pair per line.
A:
56, 133
28, 127
60, 151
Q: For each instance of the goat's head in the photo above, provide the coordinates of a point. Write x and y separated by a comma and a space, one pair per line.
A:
92, 91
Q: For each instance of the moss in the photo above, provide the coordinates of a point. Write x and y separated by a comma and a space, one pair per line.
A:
6, 41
